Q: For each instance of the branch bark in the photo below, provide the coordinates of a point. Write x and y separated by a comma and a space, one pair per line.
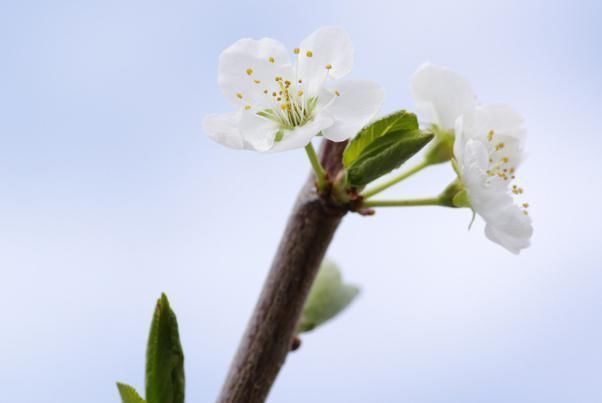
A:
271, 329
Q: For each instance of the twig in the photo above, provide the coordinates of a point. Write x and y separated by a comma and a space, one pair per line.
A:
271, 329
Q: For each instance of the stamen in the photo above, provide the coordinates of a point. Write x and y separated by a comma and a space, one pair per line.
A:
239, 95
296, 51
328, 66
271, 59
309, 53
249, 71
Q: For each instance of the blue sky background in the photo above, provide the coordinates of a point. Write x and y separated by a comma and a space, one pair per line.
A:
110, 193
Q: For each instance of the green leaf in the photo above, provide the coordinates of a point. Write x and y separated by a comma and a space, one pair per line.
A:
327, 298
129, 394
164, 357
386, 154
397, 121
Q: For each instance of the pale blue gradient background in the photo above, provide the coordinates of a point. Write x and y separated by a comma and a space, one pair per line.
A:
110, 193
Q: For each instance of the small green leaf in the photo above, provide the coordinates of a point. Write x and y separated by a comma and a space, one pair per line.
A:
164, 357
397, 121
327, 298
385, 154
129, 394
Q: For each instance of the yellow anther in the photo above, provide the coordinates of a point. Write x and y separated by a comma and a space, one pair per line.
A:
265, 91
525, 212
247, 107
328, 66
499, 146
300, 93
337, 93
271, 59
239, 95
278, 78
505, 160
274, 94
300, 81
249, 71
309, 53
526, 205
490, 135
278, 99
296, 51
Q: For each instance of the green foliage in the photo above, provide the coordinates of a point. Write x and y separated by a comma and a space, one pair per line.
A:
129, 394
327, 298
164, 357
164, 361
397, 121
385, 154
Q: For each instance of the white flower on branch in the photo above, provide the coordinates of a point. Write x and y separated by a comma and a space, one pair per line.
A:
282, 105
487, 150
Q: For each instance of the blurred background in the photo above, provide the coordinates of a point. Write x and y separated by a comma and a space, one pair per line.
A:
110, 194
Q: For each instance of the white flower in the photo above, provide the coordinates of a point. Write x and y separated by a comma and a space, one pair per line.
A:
282, 105
488, 151
441, 95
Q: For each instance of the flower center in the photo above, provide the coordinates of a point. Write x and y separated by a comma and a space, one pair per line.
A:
501, 166
289, 106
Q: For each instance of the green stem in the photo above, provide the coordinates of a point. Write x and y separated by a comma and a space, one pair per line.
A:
315, 164
429, 201
377, 189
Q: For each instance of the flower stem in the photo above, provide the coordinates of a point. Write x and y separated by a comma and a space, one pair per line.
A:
371, 192
429, 201
317, 167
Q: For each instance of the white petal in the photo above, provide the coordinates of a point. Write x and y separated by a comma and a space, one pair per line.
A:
300, 136
441, 95
512, 229
223, 128
502, 123
249, 67
328, 52
353, 108
256, 131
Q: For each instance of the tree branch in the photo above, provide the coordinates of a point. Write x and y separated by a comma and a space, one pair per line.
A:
271, 329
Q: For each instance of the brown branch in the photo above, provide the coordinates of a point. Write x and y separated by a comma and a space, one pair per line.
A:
271, 329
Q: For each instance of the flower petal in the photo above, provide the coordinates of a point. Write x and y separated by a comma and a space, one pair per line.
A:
354, 104
223, 128
441, 95
258, 132
498, 127
512, 229
248, 68
300, 136
328, 52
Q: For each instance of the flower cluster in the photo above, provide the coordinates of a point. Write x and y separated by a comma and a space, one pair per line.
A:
488, 149
282, 104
